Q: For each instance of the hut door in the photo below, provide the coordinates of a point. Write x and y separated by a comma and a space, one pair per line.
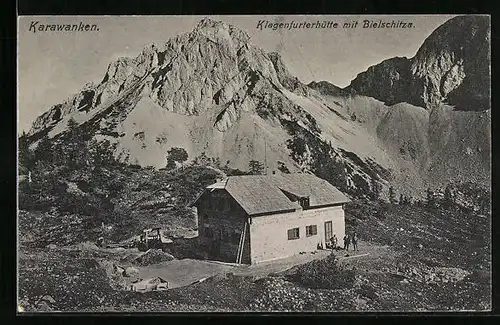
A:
328, 231
218, 242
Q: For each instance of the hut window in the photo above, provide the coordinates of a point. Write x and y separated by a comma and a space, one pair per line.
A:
225, 236
304, 202
311, 230
293, 233
236, 237
208, 232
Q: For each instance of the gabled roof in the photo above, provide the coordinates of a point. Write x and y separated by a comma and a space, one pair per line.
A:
260, 194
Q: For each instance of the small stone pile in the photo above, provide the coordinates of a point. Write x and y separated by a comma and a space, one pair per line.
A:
115, 274
279, 295
447, 274
153, 256
426, 274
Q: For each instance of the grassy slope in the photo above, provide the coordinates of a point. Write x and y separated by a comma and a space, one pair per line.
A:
148, 198
450, 238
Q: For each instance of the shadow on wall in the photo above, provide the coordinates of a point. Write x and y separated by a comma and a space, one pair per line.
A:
188, 248
191, 248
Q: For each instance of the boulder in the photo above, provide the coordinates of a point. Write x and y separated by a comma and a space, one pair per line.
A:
43, 306
48, 299
153, 256
118, 269
131, 271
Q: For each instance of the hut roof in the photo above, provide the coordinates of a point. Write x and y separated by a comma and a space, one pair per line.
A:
260, 194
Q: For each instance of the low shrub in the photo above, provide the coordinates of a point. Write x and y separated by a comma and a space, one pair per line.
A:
324, 274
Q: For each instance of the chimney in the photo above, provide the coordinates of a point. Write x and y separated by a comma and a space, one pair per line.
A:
274, 172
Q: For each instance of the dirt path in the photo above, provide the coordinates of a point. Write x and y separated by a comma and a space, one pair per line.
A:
186, 271
281, 265
368, 255
183, 272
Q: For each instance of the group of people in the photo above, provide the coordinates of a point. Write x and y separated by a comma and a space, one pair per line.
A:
348, 240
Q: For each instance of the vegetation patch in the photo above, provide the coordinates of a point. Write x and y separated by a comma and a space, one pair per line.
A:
323, 274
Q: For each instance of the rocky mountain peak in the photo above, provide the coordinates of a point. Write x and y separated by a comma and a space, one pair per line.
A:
212, 91
391, 74
220, 32
451, 67
212, 72
186, 75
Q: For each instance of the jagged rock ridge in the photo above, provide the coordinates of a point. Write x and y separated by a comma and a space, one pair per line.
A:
452, 67
211, 91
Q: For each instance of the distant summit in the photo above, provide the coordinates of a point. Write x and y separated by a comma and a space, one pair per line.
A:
452, 66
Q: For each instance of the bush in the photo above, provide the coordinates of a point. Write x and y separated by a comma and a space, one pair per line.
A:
153, 256
324, 274
74, 284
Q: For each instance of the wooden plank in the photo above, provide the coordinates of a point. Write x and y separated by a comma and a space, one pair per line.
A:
241, 244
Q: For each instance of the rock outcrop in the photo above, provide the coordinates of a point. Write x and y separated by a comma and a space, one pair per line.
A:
288, 81
452, 66
326, 88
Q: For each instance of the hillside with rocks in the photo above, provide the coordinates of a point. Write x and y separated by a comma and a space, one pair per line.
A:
408, 141
211, 91
410, 259
449, 77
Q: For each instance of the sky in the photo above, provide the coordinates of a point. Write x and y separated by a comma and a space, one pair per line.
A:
53, 66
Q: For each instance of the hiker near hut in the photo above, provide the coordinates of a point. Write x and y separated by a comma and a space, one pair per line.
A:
354, 240
347, 241
333, 242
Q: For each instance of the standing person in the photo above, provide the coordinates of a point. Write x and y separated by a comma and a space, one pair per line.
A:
346, 242
334, 242
355, 241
